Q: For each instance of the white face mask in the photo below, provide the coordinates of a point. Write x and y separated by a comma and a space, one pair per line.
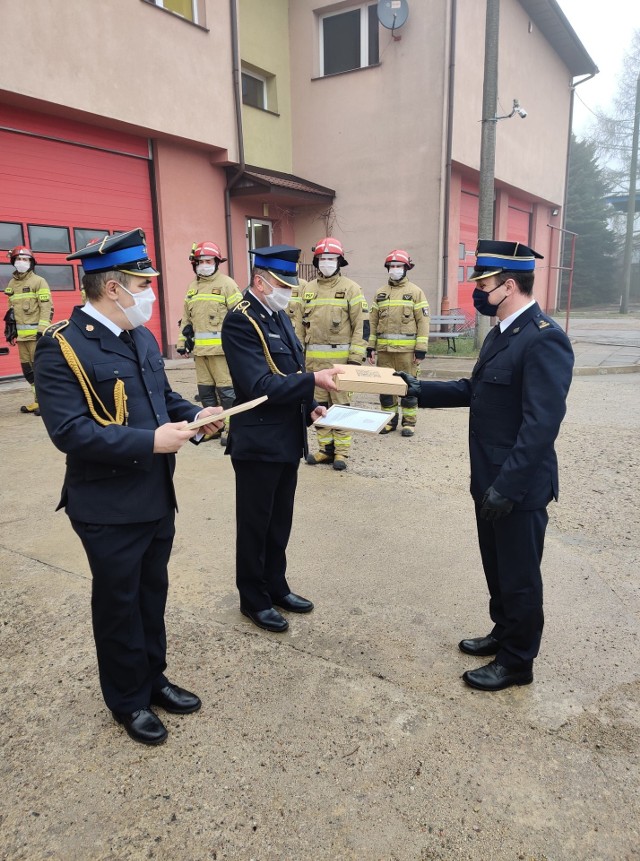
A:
205, 269
140, 312
396, 273
328, 266
22, 265
279, 299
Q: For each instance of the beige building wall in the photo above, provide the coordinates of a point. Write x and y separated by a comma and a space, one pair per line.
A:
529, 70
125, 61
264, 50
376, 135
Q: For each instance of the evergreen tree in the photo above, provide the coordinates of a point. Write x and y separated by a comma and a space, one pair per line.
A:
596, 261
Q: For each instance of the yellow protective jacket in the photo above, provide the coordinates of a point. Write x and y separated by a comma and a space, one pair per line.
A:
400, 319
329, 316
294, 308
206, 304
30, 298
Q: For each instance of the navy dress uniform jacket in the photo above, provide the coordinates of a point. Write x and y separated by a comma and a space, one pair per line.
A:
112, 474
276, 430
516, 394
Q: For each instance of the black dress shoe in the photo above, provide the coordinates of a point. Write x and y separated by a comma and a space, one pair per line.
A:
143, 725
495, 677
268, 619
294, 604
480, 646
176, 700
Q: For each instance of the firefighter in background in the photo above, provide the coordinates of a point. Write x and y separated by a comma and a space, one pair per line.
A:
399, 335
30, 300
209, 298
332, 323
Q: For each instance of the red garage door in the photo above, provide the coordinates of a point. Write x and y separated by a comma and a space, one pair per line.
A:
56, 196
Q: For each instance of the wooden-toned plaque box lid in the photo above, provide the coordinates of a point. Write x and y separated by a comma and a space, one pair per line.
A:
369, 378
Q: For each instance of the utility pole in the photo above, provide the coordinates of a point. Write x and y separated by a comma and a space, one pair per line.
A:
631, 209
488, 142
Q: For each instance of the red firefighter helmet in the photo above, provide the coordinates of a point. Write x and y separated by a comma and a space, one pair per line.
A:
329, 245
206, 249
399, 256
21, 249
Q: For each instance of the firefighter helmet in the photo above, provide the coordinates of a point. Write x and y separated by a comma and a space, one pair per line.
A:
21, 250
399, 256
329, 245
206, 249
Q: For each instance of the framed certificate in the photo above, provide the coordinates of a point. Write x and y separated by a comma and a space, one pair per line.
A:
353, 419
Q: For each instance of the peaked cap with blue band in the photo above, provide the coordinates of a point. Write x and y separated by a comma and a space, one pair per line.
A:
494, 256
281, 261
125, 252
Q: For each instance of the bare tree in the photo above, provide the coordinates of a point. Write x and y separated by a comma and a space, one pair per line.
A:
611, 131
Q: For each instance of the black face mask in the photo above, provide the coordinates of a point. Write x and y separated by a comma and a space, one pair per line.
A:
481, 301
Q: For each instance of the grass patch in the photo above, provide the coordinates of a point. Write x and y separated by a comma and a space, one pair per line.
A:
465, 347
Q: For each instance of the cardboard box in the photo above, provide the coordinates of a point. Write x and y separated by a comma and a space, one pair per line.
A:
369, 378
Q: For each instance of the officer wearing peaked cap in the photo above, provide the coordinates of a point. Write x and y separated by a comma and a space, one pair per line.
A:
517, 398
106, 402
266, 358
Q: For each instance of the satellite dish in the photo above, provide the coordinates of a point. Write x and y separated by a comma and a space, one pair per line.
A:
392, 13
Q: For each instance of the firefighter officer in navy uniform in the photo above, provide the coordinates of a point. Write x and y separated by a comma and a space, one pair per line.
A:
106, 402
265, 357
517, 398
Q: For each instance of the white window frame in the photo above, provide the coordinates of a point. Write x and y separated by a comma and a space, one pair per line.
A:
265, 94
364, 33
251, 222
194, 10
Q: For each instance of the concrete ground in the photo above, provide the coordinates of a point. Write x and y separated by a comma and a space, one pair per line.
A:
351, 737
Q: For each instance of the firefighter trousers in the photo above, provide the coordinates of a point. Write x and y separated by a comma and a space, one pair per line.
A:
389, 403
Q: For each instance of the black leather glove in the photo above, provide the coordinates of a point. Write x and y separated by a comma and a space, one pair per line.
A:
414, 386
495, 505
39, 335
420, 355
181, 351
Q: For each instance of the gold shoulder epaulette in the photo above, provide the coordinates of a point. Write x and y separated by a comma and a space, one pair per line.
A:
241, 306
57, 327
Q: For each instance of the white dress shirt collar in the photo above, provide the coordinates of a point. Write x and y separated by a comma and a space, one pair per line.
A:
504, 324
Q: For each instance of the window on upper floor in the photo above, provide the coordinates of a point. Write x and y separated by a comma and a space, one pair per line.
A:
254, 90
349, 39
259, 88
192, 10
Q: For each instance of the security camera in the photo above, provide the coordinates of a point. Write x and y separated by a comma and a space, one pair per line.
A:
518, 110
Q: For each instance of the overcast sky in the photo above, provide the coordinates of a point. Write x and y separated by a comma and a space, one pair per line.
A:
605, 30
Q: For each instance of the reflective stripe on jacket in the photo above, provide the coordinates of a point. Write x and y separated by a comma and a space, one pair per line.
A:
30, 298
400, 318
328, 315
206, 304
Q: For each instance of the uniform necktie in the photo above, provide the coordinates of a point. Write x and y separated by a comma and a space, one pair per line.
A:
493, 334
128, 340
